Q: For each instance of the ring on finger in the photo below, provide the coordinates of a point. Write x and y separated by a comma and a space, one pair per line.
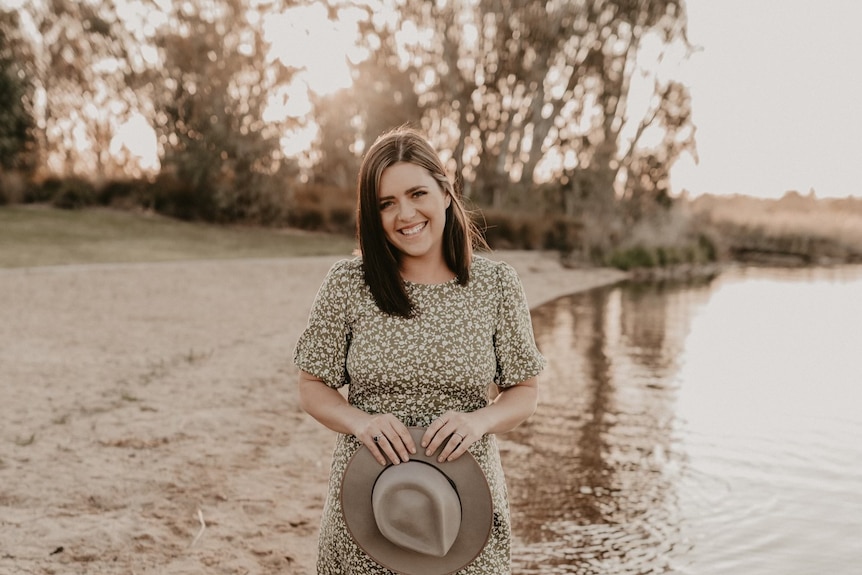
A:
459, 435
376, 438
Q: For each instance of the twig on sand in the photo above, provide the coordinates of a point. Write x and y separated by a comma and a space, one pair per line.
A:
202, 529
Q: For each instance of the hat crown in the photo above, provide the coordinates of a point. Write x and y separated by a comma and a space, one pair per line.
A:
417, 508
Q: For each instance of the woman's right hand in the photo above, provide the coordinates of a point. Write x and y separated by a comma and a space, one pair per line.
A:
386, 438
329, 407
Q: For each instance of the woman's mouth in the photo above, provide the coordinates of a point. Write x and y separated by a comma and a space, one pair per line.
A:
413, 230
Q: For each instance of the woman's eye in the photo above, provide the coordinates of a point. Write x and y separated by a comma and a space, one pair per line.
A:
419, 193
384, 205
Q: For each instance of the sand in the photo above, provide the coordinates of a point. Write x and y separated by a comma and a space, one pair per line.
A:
149, 420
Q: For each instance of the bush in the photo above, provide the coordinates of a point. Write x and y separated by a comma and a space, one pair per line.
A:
632, 258
309, 218
172, 197
122, 193
505, 230
13, 187
74, 194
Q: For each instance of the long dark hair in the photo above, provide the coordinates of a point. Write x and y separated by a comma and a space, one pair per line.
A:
380, 260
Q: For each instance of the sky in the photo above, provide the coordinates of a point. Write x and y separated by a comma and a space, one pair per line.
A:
776, 98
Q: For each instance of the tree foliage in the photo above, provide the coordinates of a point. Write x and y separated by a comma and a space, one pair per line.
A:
210, 103
534, 103
525, 90
85, 61
16, 98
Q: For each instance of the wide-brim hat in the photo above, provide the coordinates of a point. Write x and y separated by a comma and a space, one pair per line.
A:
420, 517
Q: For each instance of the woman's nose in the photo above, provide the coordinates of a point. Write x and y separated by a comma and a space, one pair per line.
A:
406, 211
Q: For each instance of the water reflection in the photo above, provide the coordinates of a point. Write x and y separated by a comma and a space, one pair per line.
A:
600, 446
622, 471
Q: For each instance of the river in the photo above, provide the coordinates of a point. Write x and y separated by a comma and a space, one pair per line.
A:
703, 428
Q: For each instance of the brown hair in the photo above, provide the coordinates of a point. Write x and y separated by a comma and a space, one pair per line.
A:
380, 260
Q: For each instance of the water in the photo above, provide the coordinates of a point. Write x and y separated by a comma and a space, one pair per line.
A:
702, 429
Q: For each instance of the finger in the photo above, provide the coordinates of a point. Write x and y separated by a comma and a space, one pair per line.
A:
404, 443
460, 450
384, 445
397, 449
375, 449
432, 430
451, 447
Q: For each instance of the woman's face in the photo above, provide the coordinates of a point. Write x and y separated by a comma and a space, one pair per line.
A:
412, 210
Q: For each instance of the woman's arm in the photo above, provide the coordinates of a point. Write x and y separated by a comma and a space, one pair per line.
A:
328, 406
509, 409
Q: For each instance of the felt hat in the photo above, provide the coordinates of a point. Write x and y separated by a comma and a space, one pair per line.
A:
420, 517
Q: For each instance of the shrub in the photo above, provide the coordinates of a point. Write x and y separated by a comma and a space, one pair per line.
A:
632, 258
73, 194
121, 193
13, 187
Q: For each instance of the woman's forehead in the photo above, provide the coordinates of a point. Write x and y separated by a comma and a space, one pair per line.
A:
403, 177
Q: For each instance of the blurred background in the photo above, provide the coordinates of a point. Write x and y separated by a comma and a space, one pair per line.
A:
620, 133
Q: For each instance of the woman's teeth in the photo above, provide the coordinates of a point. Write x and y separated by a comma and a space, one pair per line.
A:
414, 230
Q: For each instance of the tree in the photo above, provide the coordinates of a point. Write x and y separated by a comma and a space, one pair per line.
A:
88, 68
526, 90
382, 98
16, 98
210, 102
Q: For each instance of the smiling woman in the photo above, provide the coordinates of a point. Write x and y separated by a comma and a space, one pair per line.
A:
419, 329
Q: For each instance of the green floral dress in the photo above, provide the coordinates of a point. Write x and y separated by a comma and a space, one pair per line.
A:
462, 339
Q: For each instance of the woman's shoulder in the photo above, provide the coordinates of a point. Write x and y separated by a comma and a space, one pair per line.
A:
346, 272
486, 268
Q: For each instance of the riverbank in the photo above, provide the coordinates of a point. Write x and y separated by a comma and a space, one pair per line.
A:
150, 420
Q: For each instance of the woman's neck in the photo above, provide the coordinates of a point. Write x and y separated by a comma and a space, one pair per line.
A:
426, 272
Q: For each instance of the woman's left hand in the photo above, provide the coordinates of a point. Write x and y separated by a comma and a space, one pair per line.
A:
455, 431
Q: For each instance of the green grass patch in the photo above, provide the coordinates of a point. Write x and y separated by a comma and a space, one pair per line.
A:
36, 235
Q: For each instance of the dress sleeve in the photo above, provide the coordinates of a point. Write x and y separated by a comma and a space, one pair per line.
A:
322, 347
518, 358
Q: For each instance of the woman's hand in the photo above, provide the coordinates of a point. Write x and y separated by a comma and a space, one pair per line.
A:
455, 431
329, 407
386, 437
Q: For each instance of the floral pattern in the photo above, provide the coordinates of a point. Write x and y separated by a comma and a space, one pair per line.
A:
461, 339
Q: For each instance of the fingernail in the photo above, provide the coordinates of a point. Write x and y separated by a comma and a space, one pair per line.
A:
412, 450
424, 444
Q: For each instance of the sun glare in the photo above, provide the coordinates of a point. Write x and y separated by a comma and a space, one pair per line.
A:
321, 50
305, 38
137, 138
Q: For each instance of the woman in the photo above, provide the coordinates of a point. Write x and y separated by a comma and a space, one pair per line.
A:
418, 327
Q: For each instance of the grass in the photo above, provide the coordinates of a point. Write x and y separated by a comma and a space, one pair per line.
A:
811, 229
35, 235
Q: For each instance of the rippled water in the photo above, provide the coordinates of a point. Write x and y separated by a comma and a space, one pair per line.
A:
696, 429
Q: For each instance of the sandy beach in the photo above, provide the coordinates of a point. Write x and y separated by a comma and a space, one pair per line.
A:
149, 420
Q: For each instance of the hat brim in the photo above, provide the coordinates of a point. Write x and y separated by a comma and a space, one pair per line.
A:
477, 512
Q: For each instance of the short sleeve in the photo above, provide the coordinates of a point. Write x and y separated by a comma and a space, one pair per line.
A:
518, 358
322, 347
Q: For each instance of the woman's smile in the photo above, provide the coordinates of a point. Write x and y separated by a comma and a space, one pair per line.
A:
413, 230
